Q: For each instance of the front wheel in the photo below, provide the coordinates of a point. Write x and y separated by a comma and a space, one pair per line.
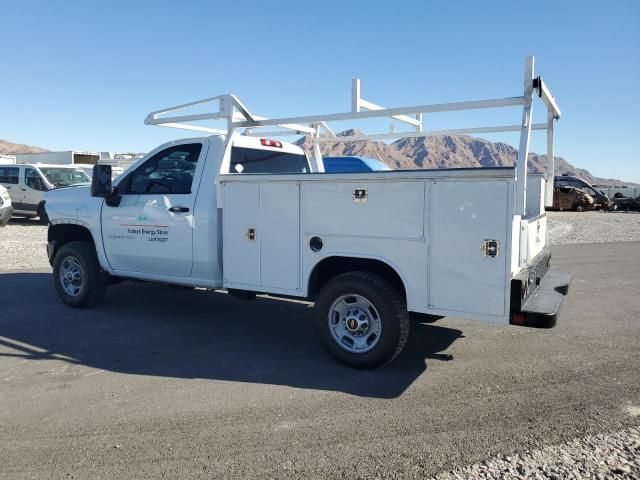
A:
362, 319
78, 278
42, 215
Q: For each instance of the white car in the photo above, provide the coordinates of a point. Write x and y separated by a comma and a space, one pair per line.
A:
27, 184
6, 210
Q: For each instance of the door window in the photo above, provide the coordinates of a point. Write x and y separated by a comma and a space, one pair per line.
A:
9, 175
33, 180
168, 171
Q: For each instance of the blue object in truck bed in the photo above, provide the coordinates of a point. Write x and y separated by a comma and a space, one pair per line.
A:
352, 164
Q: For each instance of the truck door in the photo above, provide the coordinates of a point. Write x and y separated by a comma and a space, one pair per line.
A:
151, 231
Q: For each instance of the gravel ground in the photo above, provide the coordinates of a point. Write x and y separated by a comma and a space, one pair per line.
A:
593, 227
23, 246
599, 457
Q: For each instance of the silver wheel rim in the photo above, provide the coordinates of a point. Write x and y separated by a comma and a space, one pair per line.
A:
354, 323
71, 276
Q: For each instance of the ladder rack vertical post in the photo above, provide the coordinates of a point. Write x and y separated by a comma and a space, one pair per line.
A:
525, 135
355, 95
548, 202
317, 165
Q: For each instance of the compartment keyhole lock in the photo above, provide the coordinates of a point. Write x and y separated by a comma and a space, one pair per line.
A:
490, 248
251, 234
360, 195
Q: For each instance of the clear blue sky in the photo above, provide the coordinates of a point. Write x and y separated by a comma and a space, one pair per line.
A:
83, 75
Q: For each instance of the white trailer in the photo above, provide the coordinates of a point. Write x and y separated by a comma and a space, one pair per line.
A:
241, 211
7, 159
67, 157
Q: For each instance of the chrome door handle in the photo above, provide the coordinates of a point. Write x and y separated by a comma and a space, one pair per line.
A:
178, 209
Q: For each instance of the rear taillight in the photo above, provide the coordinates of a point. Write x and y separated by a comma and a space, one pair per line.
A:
265, 142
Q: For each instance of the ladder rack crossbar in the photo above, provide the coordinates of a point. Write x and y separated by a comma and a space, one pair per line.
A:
240, 120
386, 112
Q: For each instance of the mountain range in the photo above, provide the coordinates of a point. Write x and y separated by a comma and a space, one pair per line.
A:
448, 151
10, 148
438, 151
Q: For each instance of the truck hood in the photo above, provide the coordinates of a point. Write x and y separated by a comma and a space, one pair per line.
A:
73, 203
77, 191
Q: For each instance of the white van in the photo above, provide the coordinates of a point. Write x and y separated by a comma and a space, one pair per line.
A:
27, 184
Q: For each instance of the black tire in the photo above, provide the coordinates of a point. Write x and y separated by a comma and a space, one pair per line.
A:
181, 287
386, 300
424, 317
94, 281
42, 215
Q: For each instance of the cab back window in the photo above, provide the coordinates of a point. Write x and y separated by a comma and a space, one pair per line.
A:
252, 160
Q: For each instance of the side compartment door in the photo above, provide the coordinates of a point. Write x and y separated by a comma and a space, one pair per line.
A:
240, 222
151, 230
261, 230
280, 235
462, 277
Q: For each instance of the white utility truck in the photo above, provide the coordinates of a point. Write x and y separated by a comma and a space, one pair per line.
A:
240, 211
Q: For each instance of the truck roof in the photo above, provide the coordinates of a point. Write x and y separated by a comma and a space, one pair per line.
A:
46, 165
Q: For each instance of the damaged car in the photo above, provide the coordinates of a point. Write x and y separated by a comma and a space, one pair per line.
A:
574, 193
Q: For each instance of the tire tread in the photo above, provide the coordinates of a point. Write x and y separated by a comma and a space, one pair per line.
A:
401, 316
95, 275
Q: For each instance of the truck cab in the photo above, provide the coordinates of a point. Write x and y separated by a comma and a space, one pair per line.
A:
163, 217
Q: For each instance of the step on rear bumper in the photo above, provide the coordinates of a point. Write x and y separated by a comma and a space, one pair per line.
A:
537, 293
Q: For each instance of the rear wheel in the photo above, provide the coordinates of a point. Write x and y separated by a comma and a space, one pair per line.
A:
362, 319
78, 278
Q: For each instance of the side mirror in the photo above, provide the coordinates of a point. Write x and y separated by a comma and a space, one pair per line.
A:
101, 181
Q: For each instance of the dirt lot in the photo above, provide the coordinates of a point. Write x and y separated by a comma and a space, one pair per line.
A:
157, 382
593, 227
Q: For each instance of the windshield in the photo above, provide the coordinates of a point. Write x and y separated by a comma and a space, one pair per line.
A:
63, 177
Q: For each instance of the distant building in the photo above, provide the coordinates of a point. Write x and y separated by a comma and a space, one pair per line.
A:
122, 160
59, 158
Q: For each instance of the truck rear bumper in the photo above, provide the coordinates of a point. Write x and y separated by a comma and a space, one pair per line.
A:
537, 293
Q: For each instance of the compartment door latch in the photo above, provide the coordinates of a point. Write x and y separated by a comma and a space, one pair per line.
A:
490, 248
